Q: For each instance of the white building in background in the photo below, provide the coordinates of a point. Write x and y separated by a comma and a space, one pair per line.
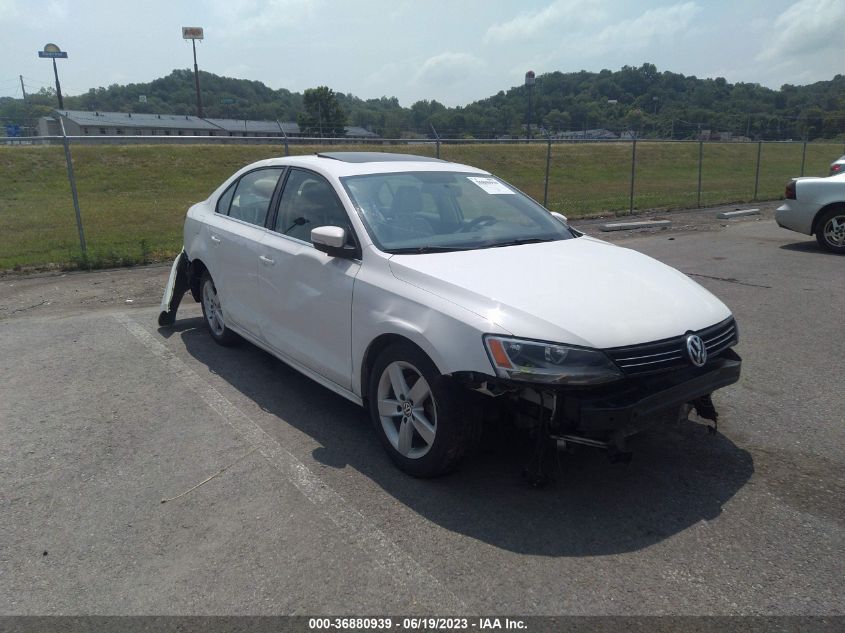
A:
85, 123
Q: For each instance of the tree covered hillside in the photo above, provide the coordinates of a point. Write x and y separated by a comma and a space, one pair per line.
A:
641, 100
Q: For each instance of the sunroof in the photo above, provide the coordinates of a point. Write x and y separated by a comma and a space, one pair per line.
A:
377, 157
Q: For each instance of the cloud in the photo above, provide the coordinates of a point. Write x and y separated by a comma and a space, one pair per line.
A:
654, 24
448, 69
8, 10
805, 28
249, 17
573, 12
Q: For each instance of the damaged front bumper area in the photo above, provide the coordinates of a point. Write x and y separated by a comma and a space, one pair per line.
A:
609, 413
635, 404
177, 284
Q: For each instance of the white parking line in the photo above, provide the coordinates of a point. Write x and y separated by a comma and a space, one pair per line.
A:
389, 556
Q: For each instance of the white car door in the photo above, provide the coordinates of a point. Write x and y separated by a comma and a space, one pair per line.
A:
306, 295
234, 233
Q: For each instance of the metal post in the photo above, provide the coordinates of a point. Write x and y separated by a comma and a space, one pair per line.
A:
58, 86
803, 157
436, 138
633, 173
196, 78
548, 165
700, 162
72, 179
529, 83
528, 130
282, 130
26, 109
757, 174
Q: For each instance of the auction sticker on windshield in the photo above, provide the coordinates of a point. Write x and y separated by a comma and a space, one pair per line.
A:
490, 185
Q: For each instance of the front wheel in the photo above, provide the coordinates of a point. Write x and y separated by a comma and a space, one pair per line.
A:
419, 415
212, 311
830, 231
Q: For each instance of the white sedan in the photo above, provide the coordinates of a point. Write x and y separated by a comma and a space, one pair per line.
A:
816, 206
439, 297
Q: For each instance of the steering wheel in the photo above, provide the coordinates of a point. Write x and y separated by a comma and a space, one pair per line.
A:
481, 220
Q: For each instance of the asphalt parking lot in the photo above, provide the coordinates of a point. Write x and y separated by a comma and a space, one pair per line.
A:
104, 415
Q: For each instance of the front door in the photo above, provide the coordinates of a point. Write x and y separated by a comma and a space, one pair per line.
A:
306, 295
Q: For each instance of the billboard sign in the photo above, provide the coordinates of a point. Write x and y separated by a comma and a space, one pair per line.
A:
51, 50
192, 33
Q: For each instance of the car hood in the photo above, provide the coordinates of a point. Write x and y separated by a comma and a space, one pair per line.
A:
581, 291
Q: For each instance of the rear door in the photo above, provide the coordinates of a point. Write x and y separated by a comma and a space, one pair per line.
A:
235, 232
306, 295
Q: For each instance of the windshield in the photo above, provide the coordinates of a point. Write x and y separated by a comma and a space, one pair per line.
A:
418, 212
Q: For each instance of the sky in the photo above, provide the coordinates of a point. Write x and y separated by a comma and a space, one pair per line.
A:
454, 51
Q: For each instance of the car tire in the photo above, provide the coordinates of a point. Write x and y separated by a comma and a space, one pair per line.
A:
212, 312
830, 231
425, 428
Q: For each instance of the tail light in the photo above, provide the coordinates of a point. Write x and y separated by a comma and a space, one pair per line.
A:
789, 194
835, 168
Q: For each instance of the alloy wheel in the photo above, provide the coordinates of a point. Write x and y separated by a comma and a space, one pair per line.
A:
834, 231
213, 312
407, 410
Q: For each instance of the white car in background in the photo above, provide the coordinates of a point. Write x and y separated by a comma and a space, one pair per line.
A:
439, 296
816, 206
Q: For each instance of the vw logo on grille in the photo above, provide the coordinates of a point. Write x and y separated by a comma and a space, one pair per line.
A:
696, 350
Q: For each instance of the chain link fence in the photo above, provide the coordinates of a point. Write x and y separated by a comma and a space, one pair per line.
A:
133, 191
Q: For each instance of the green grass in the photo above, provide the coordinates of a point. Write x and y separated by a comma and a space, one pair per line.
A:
133, 198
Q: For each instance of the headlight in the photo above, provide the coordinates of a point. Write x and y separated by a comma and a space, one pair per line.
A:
536, 361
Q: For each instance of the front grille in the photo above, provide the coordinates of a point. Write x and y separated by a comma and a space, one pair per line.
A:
671, 353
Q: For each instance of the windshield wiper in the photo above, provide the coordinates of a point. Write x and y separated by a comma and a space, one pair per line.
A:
421, 250
517, 242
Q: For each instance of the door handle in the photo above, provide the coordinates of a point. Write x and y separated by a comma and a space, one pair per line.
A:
267, 260
215, 239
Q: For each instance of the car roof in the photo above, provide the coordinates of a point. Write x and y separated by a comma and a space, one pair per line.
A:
339, 164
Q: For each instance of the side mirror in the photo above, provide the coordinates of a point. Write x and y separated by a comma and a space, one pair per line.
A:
559, 216
331, 240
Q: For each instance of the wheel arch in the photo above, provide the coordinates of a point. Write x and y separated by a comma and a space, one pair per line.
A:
195, 272
821, 212
376, 347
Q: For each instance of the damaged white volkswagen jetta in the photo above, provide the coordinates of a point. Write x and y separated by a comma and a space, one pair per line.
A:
439, 296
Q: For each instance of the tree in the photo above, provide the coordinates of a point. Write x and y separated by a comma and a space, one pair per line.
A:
557, 121
323, 115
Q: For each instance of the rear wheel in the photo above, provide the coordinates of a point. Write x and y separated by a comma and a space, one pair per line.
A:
213, 313
830, 231
419, 415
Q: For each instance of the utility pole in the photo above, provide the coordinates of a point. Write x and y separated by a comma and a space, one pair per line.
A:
28, 120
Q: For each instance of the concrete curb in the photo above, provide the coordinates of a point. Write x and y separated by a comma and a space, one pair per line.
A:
630, 226
727, 215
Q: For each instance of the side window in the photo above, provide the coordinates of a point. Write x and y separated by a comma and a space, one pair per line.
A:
309, 201
251, 195
226, 199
